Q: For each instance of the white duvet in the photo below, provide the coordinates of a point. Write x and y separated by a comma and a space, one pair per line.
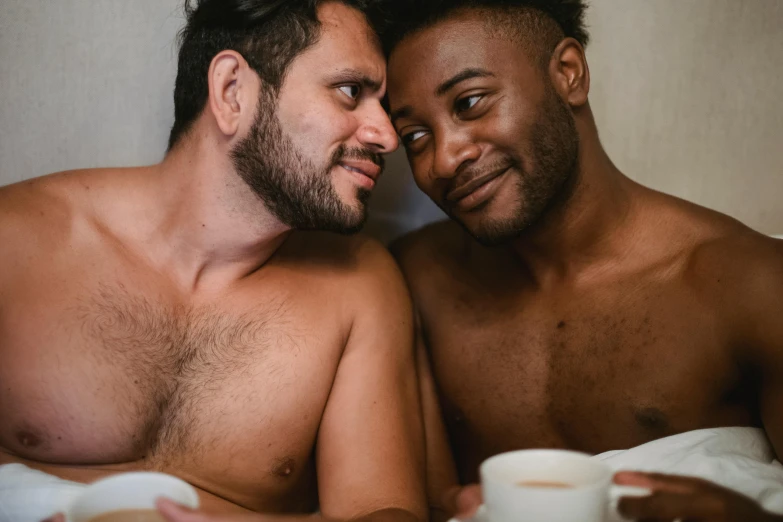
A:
741, 459
737, 458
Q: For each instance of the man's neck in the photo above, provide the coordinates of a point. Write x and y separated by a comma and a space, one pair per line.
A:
586, 229
201, 224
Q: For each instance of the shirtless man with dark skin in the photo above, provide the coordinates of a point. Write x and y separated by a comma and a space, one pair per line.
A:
565, 305
198, 317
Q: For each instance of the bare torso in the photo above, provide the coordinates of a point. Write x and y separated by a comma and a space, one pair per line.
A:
628, 351
106, 367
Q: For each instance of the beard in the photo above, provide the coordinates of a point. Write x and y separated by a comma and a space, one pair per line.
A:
548, 183
296, 191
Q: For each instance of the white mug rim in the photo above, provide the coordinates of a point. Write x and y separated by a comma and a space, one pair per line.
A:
109, 482
486, 475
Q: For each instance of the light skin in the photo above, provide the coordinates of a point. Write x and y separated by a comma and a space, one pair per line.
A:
617, 316
162, 319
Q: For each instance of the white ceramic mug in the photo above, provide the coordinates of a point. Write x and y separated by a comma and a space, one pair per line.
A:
549, 486
129, 491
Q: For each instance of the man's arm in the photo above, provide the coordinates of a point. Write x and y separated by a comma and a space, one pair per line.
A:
370, 452
370, 448
442, 480
414, 254
765, 334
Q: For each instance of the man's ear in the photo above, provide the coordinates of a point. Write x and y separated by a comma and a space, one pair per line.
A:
570, 73
233, 91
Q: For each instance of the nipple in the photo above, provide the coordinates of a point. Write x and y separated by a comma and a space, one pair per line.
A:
284, 467
28, 440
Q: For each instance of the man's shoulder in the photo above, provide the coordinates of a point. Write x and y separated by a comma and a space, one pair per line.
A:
432, 246
741, 276
356, 274
32, 211
736, 271
711, 242
336, 259
739, 257
50, 195
41, 215
34, 223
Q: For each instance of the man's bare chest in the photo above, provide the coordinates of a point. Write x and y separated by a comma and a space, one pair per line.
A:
587, 374
114, 375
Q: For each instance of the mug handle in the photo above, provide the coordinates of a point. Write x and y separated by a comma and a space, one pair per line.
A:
617, 492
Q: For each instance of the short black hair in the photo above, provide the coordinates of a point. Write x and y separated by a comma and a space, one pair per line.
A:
546, 22
269, 34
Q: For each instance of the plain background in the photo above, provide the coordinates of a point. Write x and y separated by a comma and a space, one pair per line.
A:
687, 95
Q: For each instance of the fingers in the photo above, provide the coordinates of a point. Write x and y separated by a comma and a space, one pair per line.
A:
669, 506
659, 482
59, 517
468, 501
449, 499
174, 512
463, 501
680, 498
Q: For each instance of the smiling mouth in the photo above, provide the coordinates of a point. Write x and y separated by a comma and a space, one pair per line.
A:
466, 189
367, 169
352, 169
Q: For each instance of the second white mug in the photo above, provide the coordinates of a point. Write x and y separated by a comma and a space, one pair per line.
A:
549, 486
129, 496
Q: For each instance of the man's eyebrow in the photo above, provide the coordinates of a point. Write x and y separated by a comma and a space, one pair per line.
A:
443, 88
402, 112
357, 76
460, 77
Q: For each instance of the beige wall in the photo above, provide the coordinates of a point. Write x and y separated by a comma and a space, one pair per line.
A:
685, 94
84, 83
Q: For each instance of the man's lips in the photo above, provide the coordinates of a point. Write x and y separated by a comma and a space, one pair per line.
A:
366, 168
466, 189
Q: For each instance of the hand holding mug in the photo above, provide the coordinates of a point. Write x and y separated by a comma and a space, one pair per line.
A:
687, 499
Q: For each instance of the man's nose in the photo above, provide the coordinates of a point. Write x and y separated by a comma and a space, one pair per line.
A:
453, 151
376, 131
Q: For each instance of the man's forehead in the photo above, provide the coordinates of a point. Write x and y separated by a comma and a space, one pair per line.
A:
344, 25
456, 30
346, 42
335, 14
436, 54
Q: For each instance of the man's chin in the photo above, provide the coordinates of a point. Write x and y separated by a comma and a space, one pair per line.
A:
357, 212
351, 223
492, 232
356, 225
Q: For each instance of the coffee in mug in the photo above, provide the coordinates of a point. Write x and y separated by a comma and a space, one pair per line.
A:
543, 484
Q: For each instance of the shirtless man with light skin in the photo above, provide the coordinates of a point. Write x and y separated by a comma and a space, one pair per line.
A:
564, 305
194, 318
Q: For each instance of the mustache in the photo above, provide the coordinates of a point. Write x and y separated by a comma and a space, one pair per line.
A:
357, 153
475, 172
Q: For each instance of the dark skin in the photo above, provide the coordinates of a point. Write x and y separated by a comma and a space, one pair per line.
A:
617, 316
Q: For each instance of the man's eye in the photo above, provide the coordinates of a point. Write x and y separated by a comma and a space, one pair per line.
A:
409, 138
352, 91
467, 103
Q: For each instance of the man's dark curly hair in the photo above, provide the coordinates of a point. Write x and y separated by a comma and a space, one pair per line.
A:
269, 34
539, 24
